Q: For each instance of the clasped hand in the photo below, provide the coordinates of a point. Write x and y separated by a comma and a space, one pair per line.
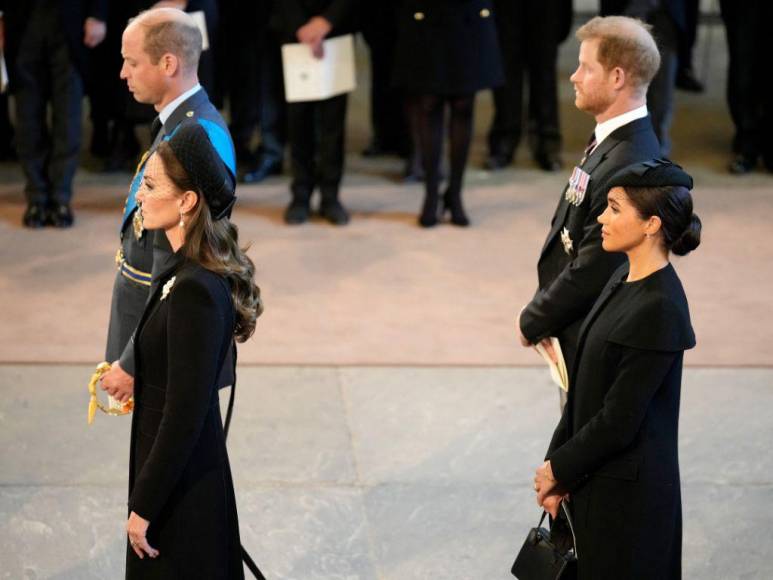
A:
118, 383
548, 495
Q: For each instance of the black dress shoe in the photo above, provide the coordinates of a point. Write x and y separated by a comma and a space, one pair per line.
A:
374, 149
34, 216
60, 215
297, 213
265, 168
686, 80
334, 212
548, 161
742, 165
498, 161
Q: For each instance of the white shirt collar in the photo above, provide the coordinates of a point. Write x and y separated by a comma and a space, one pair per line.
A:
167, 111
605, 129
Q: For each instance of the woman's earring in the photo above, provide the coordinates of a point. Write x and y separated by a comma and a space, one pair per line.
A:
182, 221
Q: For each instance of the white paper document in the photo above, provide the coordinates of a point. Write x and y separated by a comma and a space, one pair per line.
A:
3, 73
201, 24
557, 371
308, 78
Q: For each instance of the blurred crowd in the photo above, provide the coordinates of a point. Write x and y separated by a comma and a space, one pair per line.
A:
428, 59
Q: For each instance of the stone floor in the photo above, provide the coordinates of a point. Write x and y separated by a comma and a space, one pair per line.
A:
371, 473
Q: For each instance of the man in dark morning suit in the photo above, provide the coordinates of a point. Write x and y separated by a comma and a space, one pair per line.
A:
572, 267
171, 86
529, 35
46, 50
316, 128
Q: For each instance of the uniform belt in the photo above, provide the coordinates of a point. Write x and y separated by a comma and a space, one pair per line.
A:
131, 273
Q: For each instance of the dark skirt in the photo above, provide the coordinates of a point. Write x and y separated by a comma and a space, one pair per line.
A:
447, 47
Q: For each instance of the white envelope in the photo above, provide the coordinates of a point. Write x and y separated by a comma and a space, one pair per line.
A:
313, 79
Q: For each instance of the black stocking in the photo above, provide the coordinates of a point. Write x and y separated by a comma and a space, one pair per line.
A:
460, 135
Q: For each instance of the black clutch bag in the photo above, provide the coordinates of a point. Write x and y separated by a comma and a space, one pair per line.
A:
548, 554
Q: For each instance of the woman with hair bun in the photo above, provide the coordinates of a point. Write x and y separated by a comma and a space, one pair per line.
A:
182, 509
613, 457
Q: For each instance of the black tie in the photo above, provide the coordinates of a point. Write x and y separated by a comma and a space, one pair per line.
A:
155, 127
589, 148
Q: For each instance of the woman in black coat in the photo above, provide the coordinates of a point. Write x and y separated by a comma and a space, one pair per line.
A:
183, 521
446, 51
614, 454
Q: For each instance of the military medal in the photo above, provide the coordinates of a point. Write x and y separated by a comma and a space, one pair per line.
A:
566, 240
578, 185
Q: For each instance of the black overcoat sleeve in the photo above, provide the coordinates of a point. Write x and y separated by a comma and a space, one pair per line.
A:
572, 294
614, 427
195, 327
339, 13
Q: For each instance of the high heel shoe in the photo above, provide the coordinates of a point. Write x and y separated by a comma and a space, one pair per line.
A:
428, 217
453, 204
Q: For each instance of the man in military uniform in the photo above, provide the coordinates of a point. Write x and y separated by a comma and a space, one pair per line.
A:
618, 59
160, 50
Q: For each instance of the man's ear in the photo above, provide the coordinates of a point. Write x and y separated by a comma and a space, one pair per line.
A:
170, 64
618, 78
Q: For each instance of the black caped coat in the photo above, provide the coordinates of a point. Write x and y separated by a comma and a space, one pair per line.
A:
616, 446
447, 47
179, 474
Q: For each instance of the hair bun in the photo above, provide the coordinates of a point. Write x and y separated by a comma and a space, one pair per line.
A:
690, 238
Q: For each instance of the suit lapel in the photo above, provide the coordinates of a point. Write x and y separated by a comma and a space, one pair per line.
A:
595, 159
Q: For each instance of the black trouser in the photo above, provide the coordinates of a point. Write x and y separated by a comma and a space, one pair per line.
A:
660, 95
257, 97
687, 38
317, 131
528, 39
46, 74
748, 78
390, 127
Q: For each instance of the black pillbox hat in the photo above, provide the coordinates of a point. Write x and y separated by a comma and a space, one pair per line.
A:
652, 173
195, 152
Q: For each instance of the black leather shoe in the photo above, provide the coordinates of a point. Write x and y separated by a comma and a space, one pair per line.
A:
498, 161
548, 161
34, 216
334, 212
265, 169
686, 80
297, 213
60, 215
742, 165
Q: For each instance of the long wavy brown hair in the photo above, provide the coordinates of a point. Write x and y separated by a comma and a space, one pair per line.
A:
215, 245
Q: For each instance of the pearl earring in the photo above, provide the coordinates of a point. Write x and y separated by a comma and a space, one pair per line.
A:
182, 221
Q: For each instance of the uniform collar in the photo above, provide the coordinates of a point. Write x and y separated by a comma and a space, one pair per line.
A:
167, 111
